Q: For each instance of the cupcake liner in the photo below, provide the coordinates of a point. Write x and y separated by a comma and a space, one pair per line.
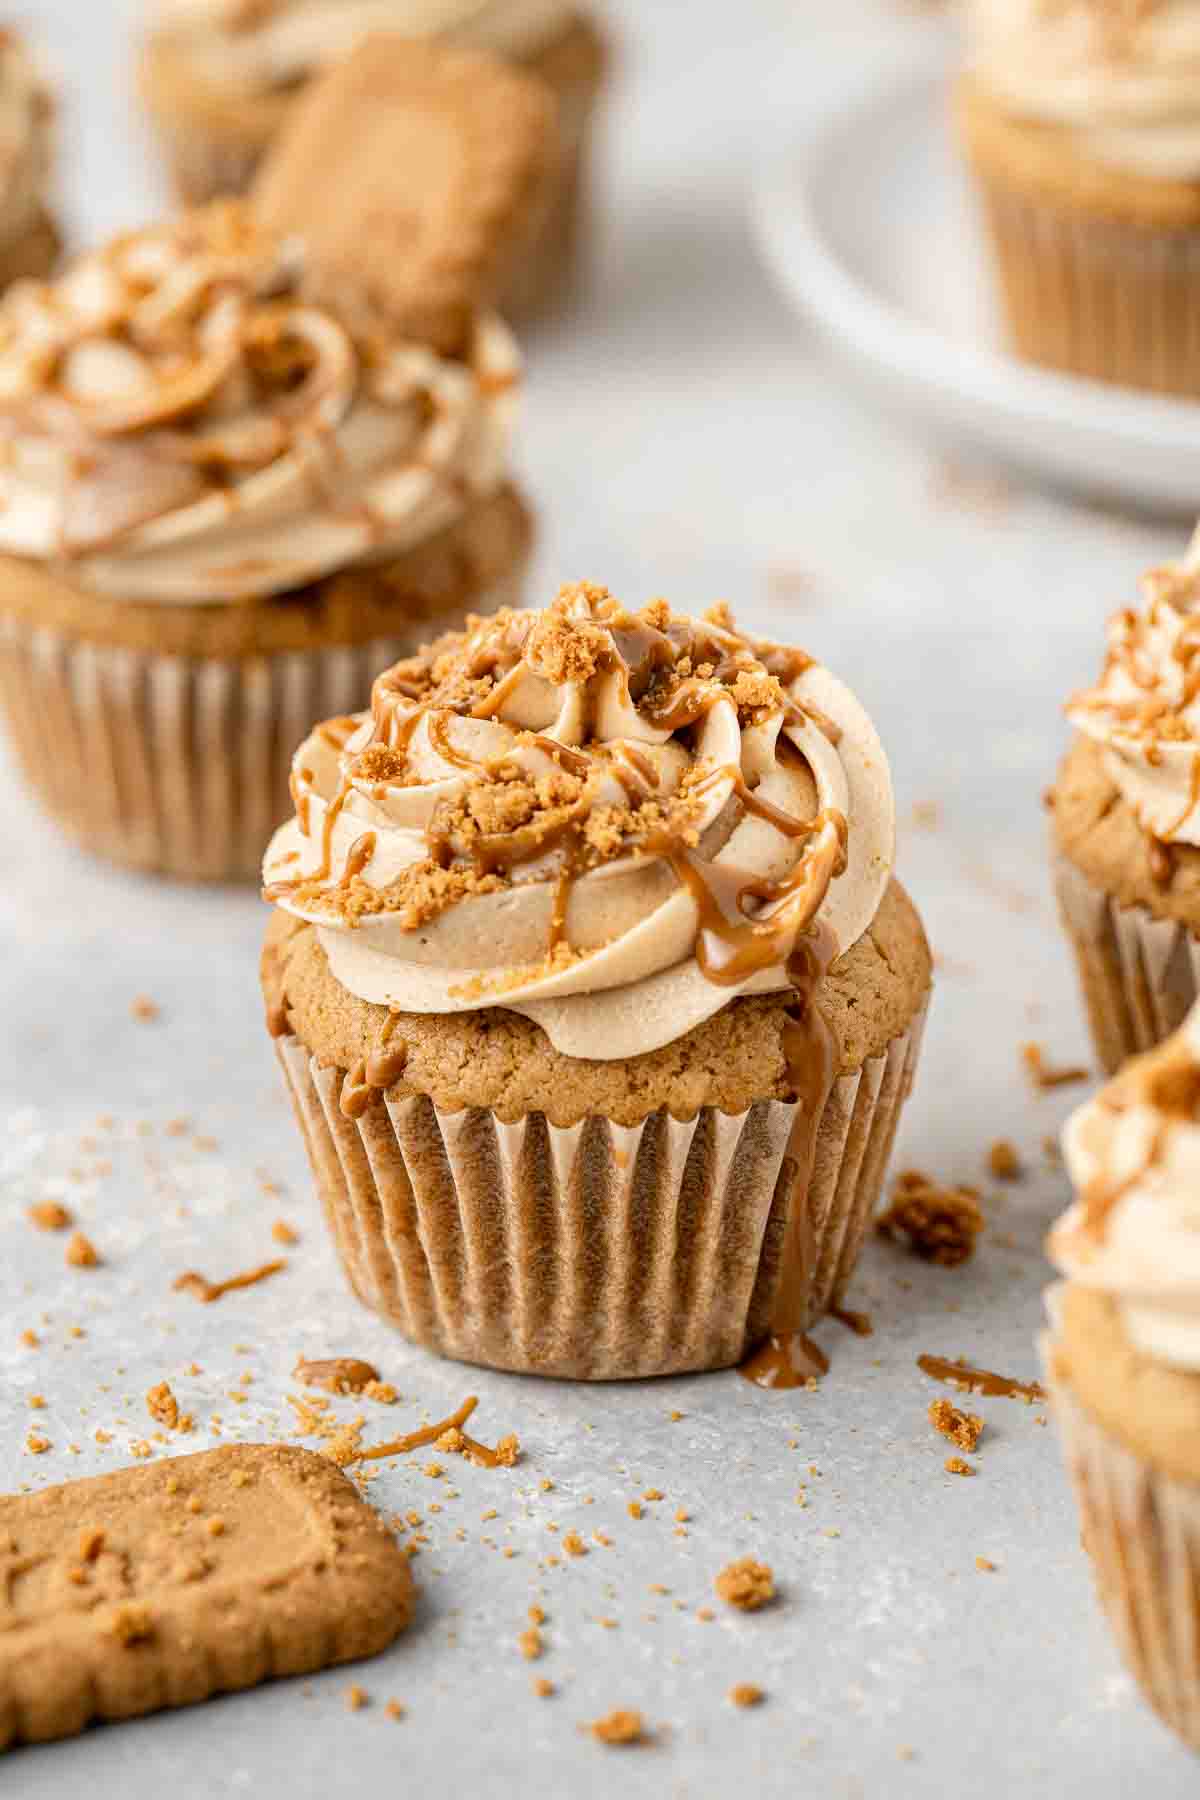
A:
180, 764
594, 1251
1140, 975
1095, 296
1141, 1529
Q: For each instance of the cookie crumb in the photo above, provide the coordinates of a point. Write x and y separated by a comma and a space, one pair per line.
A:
393, 1710
962, 1428
356, 1697
30, 1339
957, 1465
36, 1444
283, 1233
1043, 1075
144, 1009
573, 1544
81, 1253
745, 1584
622, 1726
747, 1693
985, 1565
543, 1687
530, 1644
162, 1405
49, 1215
1003, 1162
938, 1224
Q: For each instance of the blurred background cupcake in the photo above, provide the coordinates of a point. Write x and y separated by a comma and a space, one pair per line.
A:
252, 454
219, 78
1123, 1360
594, 993
1125, 811
1081, 122
29, 238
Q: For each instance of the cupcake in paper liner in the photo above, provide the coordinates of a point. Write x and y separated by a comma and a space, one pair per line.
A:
1125, 812
1123, 1359
250, 457
1081, 125
595, 996
222, 78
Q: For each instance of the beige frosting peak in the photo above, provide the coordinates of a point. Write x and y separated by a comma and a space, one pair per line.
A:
1145, 709
1124, 75
258, 46
613, 822
26, 138
179, 423
1133, 1153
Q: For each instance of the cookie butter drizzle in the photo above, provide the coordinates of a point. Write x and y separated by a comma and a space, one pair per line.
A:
672, 671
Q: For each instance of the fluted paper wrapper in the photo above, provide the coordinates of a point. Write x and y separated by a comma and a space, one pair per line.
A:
1140, 975
180, 764
1141, 1529
1095, 296
597, 1251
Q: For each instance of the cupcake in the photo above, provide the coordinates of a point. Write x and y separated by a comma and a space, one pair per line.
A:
242, 471
219, 78
1081, 124
1126, 821
595, 996
1123, 1360
29, 240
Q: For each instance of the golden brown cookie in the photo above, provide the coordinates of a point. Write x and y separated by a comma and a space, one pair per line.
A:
165, 1584
417, 175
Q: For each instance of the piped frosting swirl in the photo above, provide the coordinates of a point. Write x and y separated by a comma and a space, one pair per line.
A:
613, 822
1123, 75
181, 422
1145, 710
1133, 1153
256, 47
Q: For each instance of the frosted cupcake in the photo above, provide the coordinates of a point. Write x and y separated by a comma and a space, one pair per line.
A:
1082, 125
594, 993
1123, 1358
220, 77
248, 461
1126, 821
29, 240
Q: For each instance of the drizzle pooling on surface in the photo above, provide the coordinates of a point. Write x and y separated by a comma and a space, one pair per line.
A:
614, 822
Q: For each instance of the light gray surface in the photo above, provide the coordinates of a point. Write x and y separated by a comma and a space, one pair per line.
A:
683, 438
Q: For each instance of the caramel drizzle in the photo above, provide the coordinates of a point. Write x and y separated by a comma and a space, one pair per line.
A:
968, 1379
207, 1291
428, 1434
374, 1073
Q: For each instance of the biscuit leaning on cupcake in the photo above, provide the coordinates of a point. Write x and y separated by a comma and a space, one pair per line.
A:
1123, 1359
594, 992
1125, 811
29, 238
1081, 123
255, 452
221, 78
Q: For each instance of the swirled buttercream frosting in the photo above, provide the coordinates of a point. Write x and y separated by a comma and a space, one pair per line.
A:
614, 822
1133, 1153
1144, 711
258, 46
26, 138
181, 422
1124, 75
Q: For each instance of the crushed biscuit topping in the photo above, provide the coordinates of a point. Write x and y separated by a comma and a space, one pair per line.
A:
938, 1224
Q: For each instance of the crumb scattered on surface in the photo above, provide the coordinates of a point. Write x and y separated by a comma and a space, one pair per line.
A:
938, 1224
356, 1697
573, 1544
393, 1710
144, 1009
985, 1565
283, 1233
81, 1253
543, 1687
958, 1465
49, 1215
962, 1428
747, 1693
36, 1444
745, 1584
530, 1644
1003, 1162
1044, 1075
622, 1726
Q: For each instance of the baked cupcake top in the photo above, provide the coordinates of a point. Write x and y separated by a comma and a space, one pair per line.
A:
26, 138
1144, 711
184, 419
613, 822
1124, 75
1133, 1153
259, 46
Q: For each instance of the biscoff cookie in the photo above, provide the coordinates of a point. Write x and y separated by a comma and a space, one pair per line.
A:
596, 998
475, 140
168, 1583
222, 84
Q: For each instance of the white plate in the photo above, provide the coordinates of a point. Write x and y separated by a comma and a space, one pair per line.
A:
866, 217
